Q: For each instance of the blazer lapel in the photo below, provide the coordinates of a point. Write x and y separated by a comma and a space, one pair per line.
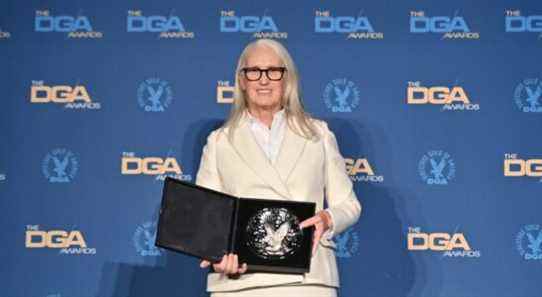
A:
291, 149
250, 152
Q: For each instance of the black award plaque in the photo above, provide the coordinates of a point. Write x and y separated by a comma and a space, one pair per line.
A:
207, 224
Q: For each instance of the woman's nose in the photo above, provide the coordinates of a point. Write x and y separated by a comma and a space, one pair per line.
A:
264, 80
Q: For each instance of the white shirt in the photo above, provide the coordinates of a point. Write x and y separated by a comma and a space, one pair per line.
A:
269, 139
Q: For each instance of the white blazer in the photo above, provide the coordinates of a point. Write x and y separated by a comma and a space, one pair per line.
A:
305, 170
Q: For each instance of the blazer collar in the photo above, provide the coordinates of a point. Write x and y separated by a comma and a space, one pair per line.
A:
275, 176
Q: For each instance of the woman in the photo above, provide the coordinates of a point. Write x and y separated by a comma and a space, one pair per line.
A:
270, 148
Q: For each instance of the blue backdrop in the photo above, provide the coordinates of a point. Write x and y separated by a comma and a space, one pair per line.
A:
436, 106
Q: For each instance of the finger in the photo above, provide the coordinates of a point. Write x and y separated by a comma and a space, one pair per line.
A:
316, 237
235, 268
220, 267
310, 221
204, 264
229, 266
226, 263
326, 219
243, 268
318, 231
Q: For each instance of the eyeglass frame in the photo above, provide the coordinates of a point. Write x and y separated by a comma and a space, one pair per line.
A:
281, 69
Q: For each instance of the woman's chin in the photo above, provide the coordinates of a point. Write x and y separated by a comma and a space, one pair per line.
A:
266, 105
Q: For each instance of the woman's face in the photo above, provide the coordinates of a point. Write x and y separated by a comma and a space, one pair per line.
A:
263, 94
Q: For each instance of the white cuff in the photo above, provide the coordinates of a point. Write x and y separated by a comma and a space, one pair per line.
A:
331, 231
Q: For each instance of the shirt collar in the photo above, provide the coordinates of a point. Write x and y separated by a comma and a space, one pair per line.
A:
278, 117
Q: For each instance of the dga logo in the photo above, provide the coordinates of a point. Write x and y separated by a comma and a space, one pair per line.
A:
436, 168
259, 26
347, 243
361, 170
60, 166
452, 27
451, 245
529, 242
527, 95
144, 239
517, 167
224, 92
68, 242
451, 99
76, 97
356, 27
76, 26
169, 26
154, 95
341, 95
157, 166
514, 22
4, 34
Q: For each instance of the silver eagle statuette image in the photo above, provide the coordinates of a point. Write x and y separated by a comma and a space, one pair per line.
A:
274, 237
273, 233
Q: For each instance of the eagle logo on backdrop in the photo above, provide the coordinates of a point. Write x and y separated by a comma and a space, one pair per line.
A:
341, 95
347, 243
436, 168
527, 95
4, 34
529, 242
154, 95
60, 166
144, 239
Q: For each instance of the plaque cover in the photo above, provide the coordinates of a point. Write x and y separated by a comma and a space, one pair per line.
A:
207, 224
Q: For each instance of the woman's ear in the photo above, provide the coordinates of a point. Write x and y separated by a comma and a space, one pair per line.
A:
242, 83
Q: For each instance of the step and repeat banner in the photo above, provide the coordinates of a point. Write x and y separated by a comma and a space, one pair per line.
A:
436, 105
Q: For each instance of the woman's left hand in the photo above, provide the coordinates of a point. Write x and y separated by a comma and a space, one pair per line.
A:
321, 222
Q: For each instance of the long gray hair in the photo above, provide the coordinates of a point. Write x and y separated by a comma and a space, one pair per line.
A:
298, 120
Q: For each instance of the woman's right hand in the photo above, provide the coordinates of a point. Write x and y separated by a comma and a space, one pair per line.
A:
228, 266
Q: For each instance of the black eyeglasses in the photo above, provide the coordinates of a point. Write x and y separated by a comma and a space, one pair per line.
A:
255, 73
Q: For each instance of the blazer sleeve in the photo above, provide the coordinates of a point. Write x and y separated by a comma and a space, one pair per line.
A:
343, 205
208, 174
